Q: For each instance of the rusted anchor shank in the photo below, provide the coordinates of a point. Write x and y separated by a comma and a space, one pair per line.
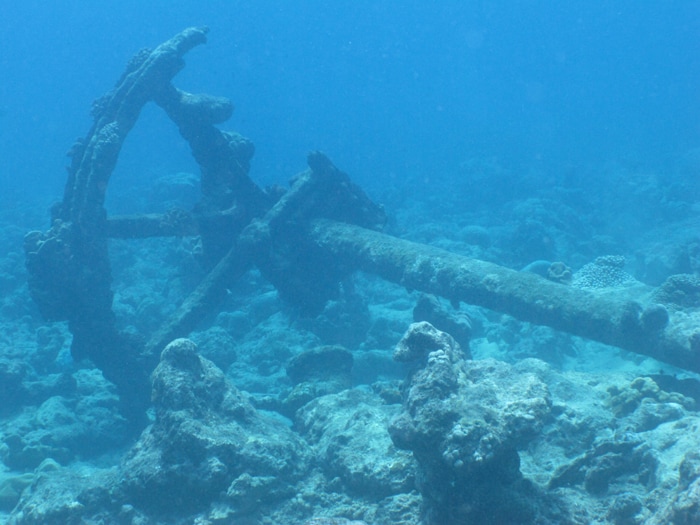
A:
525, 296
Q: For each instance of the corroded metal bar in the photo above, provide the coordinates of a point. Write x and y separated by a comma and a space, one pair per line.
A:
617, 321
68, 266
224, 161
321, 190
205, 298
176, 223
94, 158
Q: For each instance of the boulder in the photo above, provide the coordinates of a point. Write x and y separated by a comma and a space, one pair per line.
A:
348, 432
464, 421
207, 439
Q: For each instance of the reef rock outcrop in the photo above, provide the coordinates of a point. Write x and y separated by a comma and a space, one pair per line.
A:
207, 439
348, 432
465, 421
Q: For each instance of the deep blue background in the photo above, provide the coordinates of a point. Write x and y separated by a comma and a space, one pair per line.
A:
391, 90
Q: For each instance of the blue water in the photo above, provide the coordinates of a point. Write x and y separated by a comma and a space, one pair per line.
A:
390, 90
519, 132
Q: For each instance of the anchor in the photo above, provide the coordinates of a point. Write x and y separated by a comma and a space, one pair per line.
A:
305, 241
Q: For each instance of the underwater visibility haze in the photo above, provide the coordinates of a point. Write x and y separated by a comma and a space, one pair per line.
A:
350, 263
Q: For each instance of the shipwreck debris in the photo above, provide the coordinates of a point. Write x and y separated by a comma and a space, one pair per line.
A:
304, 242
